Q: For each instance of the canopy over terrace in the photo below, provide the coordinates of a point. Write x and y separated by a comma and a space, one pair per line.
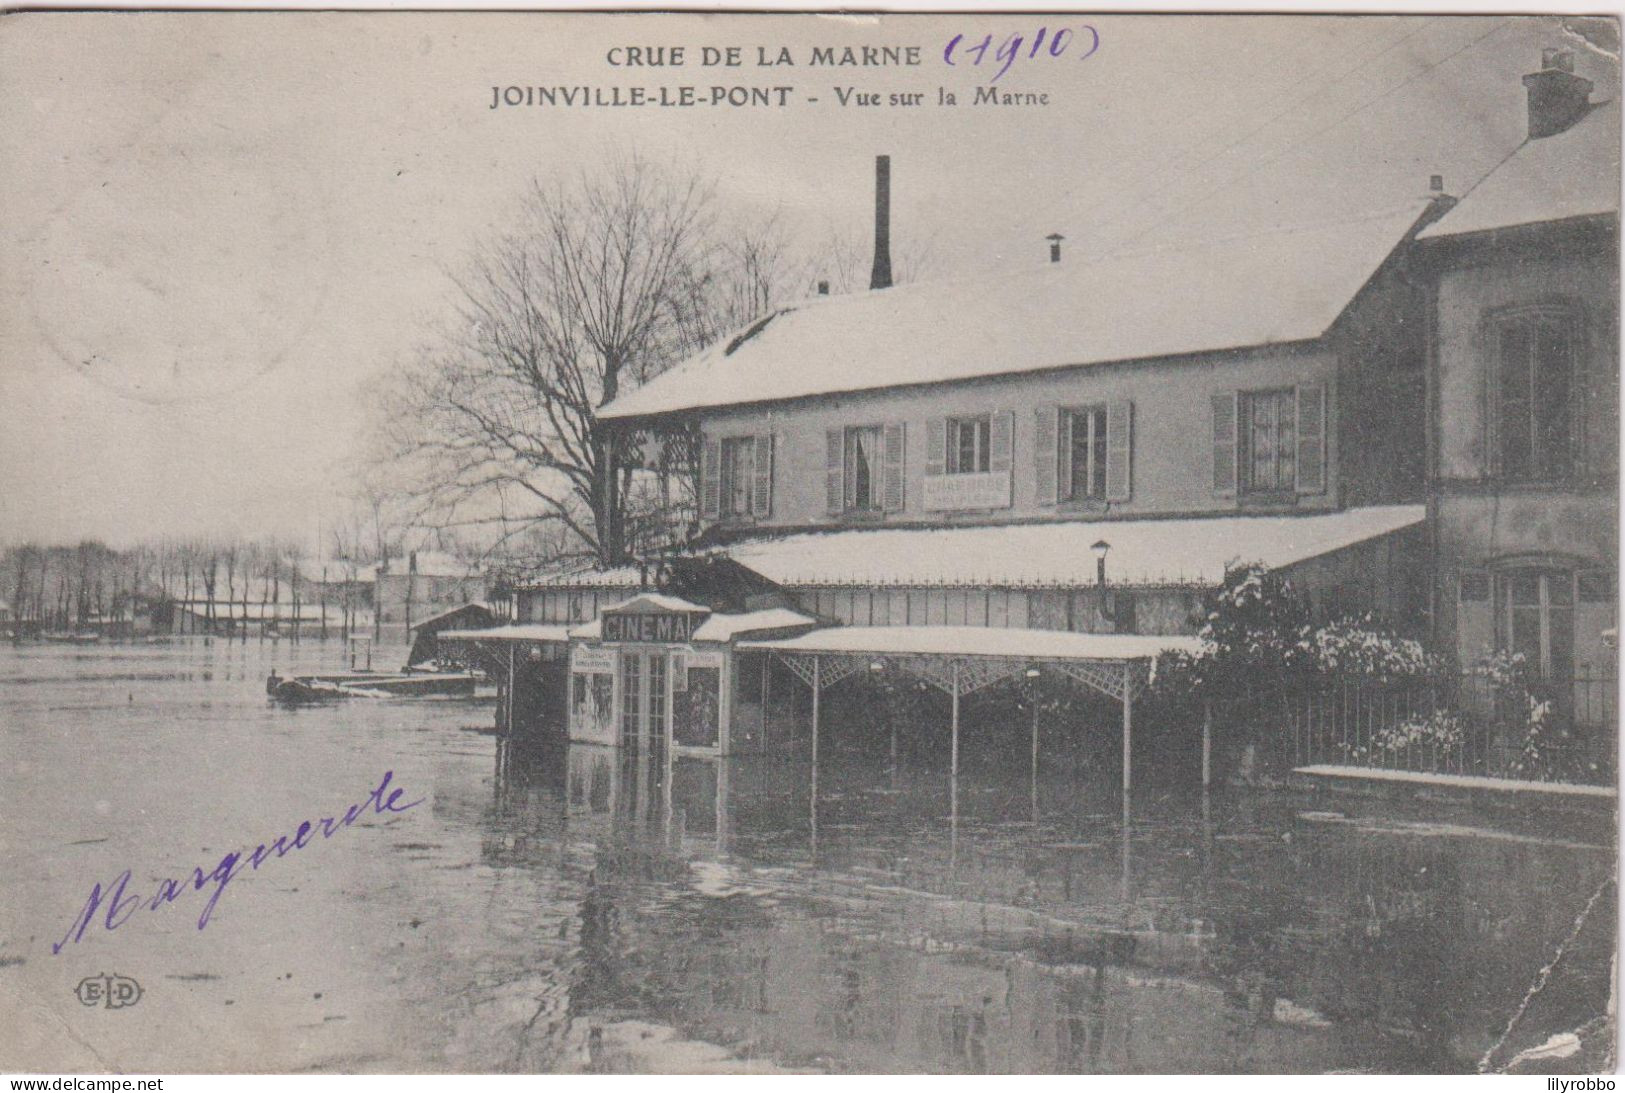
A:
960, 660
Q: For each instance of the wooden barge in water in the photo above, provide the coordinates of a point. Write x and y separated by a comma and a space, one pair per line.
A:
327, 686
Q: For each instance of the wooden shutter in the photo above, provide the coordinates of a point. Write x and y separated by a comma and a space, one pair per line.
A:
1119, 450
1000, 441
710, 478
1312, 439
1045, 458
936, 446
1224, 444
761, 494
891, 492
834, 471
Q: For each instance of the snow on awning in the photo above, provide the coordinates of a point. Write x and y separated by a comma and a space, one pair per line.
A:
978, 641
719, 628
1143, 552
1272, 287
728, 627
521, 632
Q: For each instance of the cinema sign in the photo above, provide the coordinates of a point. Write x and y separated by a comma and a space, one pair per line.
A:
645, 621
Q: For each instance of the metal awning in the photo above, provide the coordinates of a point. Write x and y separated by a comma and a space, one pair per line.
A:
960, 660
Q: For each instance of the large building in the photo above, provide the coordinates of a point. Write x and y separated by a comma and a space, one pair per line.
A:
1409, 412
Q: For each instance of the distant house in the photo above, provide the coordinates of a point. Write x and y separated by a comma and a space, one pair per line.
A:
428, 584
470, 616
1524, 391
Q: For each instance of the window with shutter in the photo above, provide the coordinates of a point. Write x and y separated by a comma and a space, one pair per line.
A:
969, 444
736, 479
1083, 454
892, 486
834, 471
761, 501
1267, 441
710, 478
1045, 455
1535, 410
1119, 450
1311, 439
1224, 444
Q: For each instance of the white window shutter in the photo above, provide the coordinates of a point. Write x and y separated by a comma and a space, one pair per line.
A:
1119, 450
892, 472
710, 478
1224, 444
1312, 439
1045, 457
1000, 440
834, 471
936, 446
761, 494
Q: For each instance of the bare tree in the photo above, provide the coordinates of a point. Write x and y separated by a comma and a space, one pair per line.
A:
602, 282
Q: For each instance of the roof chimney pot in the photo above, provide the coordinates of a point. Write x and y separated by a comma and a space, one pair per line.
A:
823, 288
880, 274
1436, 183
1557, 97
1055, 239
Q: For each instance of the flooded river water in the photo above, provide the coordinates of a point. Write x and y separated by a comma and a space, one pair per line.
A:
551, 911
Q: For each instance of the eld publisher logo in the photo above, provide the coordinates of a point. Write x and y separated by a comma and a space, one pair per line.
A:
113, 991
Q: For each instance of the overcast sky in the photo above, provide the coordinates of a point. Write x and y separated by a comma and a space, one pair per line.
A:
222, 230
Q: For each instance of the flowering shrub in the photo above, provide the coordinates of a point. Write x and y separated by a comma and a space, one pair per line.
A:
1548, 750
1357, 647
1441, 731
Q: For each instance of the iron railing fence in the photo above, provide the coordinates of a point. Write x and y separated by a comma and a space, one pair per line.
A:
1465, 725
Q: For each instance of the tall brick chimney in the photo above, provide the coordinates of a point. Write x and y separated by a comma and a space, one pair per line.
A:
880, 274
1557, 97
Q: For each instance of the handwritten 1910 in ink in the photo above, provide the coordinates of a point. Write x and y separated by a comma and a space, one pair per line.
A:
120, 905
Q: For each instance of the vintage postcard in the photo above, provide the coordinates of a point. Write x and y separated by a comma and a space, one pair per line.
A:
611, 543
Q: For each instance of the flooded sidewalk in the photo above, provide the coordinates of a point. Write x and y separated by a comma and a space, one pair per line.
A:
559, 909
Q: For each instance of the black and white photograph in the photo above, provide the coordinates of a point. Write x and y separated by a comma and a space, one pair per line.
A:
820, 543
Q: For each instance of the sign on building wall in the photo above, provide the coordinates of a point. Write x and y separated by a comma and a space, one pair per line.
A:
650, 626
947, 492
592, 695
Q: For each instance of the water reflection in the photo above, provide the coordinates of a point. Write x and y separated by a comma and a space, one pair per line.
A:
566, 909
1037, 924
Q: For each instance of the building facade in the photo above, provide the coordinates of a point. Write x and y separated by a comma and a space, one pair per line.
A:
1524, 397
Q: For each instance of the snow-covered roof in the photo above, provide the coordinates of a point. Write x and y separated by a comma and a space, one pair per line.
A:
431, 563
1143, 552
1569, 174
1283, 285
657, 601
626, 576
728, 627
522, 632
449, 612
986, 641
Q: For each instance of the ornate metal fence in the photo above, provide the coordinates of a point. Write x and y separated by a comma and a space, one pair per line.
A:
1466, 725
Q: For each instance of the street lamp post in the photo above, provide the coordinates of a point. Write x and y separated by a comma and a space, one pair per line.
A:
1101, 547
